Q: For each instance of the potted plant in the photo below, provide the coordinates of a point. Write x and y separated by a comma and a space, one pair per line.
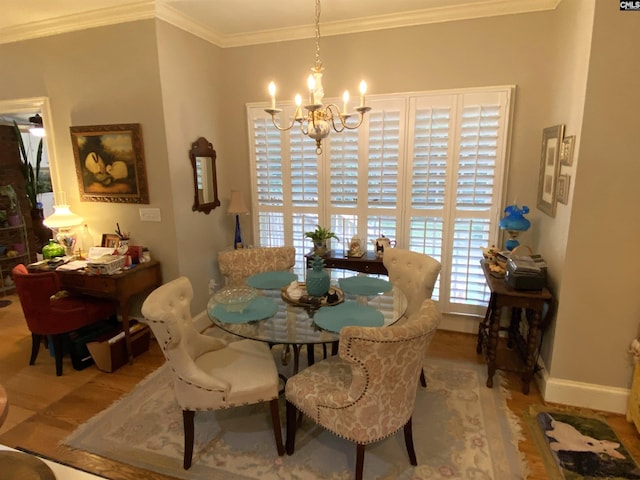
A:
320, 236
31, 176
33, 187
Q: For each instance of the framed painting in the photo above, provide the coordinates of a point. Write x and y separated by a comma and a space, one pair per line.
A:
549, 168
110, 240
566, 154
110, 163
564, 182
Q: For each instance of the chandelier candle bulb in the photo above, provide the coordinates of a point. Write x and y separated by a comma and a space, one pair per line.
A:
311, 83
345, 99
298, 115
363, 90
272, 92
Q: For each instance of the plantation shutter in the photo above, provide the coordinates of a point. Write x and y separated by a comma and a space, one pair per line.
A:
425, 169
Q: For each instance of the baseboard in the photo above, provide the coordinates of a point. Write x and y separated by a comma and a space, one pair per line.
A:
580, 394
459, 323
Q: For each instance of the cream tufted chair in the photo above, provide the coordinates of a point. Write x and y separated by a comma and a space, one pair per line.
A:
368, 391
209, 374
416, 275
237, 265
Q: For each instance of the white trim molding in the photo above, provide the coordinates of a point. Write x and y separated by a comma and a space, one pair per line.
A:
585, 395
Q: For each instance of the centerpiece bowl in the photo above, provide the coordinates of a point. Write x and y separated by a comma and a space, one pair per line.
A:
235, 299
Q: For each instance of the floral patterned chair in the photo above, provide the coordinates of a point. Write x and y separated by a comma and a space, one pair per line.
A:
416, 275
368, 391
208, 373
237, 265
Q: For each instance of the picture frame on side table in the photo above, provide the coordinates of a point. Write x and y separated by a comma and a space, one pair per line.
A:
564, 182
110, 164
566, 154
110, 240
549, 169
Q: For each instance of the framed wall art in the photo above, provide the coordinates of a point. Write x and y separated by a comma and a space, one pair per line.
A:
110, 240
110, 163
564, 182
566, 154
549, 168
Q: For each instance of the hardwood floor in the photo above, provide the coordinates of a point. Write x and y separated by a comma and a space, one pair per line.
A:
44, 408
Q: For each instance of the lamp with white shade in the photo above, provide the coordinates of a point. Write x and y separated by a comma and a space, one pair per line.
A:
237, 208
62, 220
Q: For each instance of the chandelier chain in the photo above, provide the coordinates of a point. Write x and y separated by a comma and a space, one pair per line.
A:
318, 62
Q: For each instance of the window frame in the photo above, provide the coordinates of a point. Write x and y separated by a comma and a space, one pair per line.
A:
457, 99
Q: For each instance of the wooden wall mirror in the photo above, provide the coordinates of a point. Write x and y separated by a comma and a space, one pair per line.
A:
205, 180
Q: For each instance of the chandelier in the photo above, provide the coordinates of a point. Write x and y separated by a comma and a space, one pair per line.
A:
319, 119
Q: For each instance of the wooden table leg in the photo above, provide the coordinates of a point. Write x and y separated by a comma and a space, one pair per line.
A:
483, 325
532, 345
492, 347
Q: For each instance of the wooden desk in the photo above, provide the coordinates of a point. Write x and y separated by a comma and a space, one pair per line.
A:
532, 302
120, 287
368, 263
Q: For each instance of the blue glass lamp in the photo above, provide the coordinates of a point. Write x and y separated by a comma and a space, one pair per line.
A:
514, 223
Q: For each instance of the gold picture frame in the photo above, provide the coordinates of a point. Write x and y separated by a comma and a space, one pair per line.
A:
564, 182
110, 240
110, 163
566, 153
549, 169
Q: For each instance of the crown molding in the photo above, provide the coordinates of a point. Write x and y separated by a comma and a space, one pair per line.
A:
488, 8
140, 10
146, 9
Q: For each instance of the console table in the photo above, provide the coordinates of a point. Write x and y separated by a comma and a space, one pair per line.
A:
533, 303
368, 263
120, 287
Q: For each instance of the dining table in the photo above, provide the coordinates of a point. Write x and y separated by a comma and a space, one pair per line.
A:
277, 318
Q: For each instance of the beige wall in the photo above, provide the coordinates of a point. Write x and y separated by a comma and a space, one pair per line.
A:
600, 306
96, 77
190, 75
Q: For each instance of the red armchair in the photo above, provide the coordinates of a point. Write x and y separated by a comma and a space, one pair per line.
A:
48, 314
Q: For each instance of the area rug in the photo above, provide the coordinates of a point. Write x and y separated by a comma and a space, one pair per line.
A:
579, 445
461, 429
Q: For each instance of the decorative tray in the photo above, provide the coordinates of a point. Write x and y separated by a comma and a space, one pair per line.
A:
314, 302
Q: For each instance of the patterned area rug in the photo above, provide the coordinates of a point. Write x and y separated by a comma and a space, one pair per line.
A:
461, 430
576, 447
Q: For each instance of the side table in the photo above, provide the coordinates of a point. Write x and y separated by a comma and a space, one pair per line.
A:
533, 303
368, 263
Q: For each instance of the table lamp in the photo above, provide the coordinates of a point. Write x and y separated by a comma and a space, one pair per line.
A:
62, 219
514, 223
237, 207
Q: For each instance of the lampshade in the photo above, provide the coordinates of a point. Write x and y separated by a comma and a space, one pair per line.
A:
236, 204
515, 220
62, 217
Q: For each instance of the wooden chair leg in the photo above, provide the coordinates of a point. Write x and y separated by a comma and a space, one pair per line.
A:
408, 440
35, 347
291, 427
423, 379
187, 421
277, 430
58, 348
359, 461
